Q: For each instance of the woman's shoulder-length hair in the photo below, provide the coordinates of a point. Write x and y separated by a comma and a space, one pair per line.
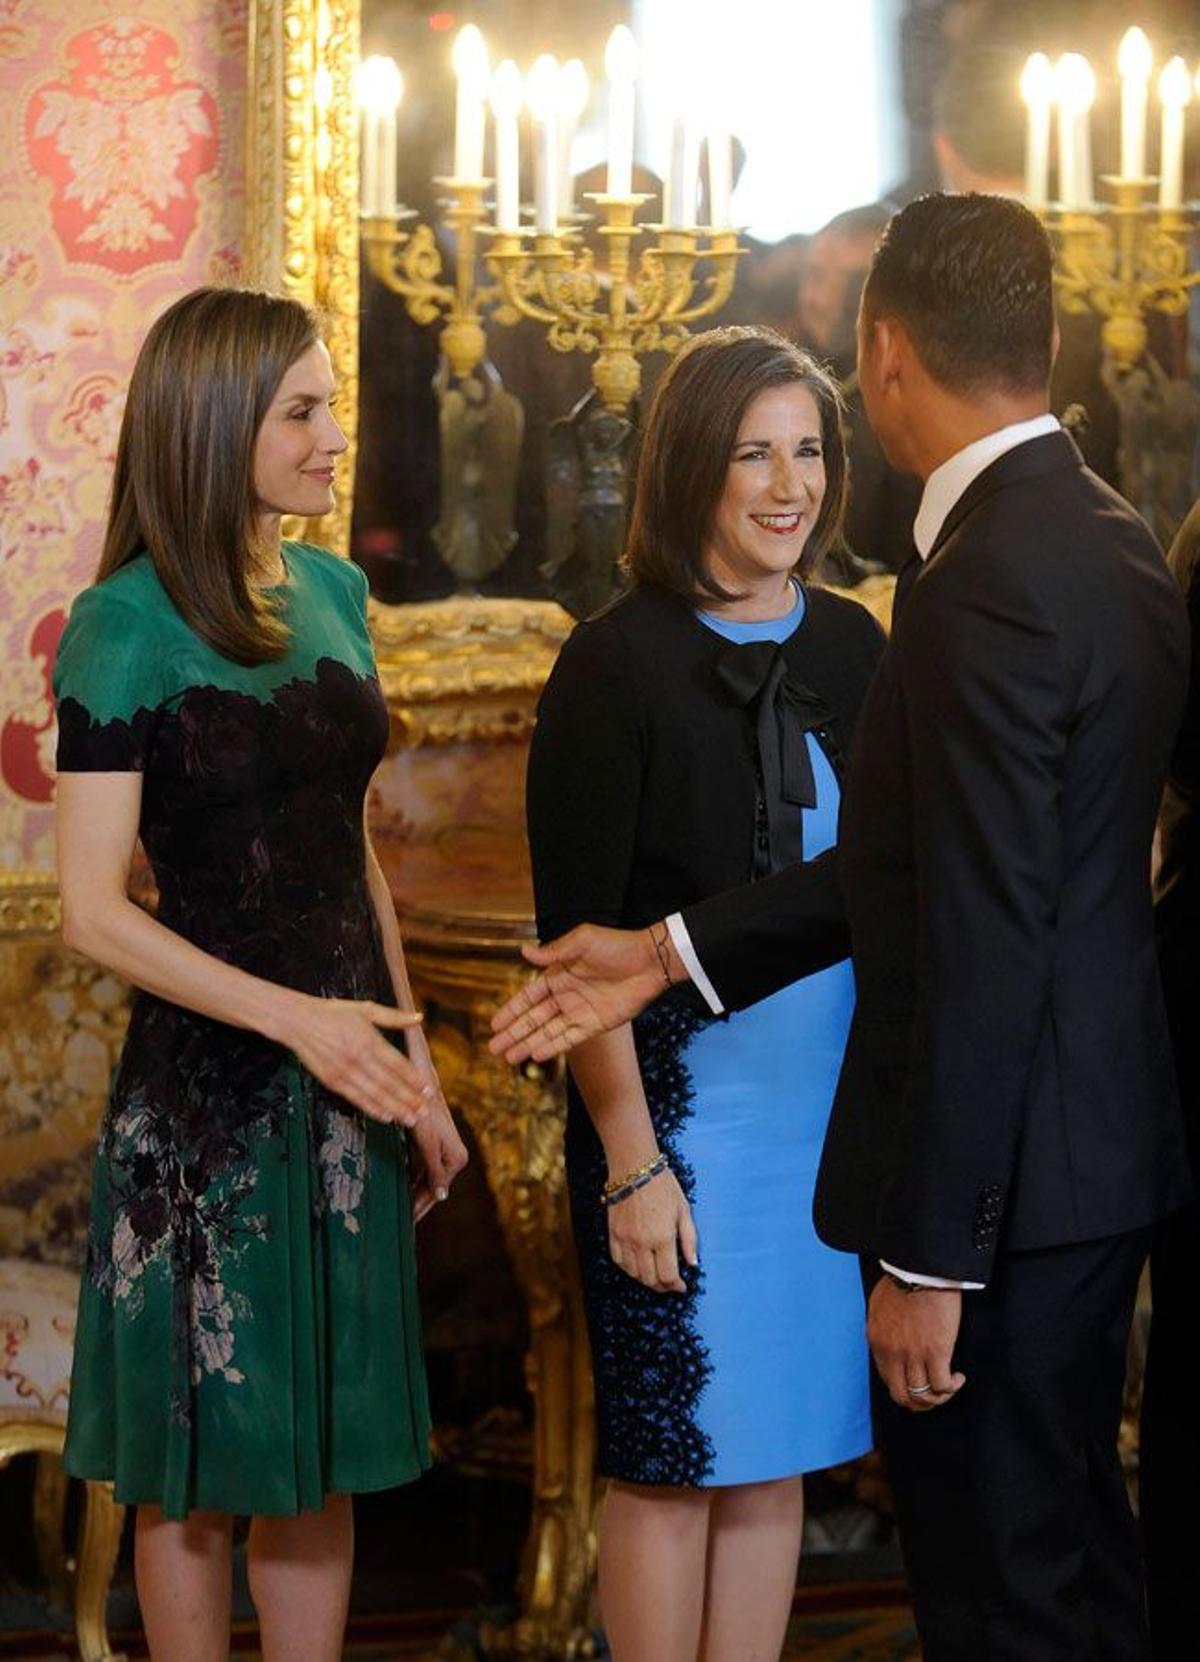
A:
688, 442
183, 484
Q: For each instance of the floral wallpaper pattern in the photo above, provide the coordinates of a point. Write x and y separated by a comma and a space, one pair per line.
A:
120, 188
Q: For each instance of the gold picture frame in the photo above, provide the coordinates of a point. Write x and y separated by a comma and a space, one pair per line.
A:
464, 668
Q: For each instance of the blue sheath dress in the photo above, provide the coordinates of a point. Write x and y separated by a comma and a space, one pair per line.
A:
779, 1314
760, 1370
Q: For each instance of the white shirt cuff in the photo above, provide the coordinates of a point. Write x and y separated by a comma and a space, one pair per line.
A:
929, 1280
682, 942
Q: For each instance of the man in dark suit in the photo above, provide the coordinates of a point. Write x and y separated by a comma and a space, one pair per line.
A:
1006, 1129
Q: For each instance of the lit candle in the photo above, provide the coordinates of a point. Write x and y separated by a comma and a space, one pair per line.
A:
380, 89
541, 92
470, 61
1075, 88
1037, 89
621, 65
1133, 61
679, 185
574, 90
506, 107
720, 176
1174, 90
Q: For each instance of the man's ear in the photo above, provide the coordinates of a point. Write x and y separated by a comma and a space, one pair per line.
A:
1055, 343
890, 349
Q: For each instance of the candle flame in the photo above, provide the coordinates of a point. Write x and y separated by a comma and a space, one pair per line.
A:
1037, 80
621, 55
574, 89
470, 58
541, 87
1135, 58
506, 90
1074, 82
1175, 84
379, 84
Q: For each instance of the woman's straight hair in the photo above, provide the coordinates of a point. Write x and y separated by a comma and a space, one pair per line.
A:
183, 487
688, 443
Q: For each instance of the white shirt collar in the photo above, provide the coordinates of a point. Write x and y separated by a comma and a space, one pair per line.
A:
947, 483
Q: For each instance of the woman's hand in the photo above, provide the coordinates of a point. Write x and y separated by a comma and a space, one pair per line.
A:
339, 1041
443, 1152
649, 1230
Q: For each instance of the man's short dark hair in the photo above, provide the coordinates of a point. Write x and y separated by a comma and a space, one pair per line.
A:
969, 278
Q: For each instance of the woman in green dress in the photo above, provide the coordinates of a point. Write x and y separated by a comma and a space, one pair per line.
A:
248, 1339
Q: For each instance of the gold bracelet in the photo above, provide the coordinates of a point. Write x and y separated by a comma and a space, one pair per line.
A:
618, 1188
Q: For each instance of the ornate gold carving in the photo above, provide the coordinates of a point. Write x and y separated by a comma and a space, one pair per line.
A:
466, 668
29, 905
1126, 259
301, 232
102, 1521
517, 1120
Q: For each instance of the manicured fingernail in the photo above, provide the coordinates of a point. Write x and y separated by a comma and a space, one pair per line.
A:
442, 1194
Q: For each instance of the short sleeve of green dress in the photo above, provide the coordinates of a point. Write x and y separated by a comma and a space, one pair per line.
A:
248, 1336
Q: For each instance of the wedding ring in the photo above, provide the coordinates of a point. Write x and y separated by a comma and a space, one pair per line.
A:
919, 1390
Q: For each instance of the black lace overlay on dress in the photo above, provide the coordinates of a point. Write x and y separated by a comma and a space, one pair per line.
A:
649, 1361
252, 822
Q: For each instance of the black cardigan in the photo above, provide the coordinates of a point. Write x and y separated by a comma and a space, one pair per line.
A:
641, 791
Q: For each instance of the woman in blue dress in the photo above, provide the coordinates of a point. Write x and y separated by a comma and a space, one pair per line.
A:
690, 738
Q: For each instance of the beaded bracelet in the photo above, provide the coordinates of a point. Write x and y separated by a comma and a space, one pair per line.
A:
620, 1188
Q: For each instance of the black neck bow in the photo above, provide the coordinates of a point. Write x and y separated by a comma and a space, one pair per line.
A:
756, 673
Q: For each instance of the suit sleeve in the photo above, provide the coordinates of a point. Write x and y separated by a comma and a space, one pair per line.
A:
988, 705
754, 940
584, 789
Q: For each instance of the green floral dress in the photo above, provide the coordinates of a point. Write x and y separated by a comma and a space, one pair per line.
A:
248, 1335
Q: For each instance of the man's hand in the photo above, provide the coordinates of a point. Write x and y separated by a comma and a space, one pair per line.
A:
593, 980
912, 1338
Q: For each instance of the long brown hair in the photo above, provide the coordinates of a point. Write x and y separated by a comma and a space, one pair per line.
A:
688, 443
183, 488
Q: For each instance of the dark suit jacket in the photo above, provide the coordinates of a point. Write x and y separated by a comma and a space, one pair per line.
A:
1008, 1079
1177, 901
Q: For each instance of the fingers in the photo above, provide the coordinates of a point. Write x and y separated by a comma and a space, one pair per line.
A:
689, 1246
384, 1015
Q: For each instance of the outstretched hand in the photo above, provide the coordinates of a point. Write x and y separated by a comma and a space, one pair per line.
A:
593, 979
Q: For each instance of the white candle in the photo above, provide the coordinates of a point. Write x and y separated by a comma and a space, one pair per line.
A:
380, 89
541, 92
470, 61
1174, 90
720, 177
621, 65
574, 90
679, 185
1134, 61
1075, 89
506, 106
1037, 89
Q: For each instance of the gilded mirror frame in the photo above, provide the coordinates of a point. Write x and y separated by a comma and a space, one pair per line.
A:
463, 668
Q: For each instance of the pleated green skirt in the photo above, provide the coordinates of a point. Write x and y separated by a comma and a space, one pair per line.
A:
252, 1344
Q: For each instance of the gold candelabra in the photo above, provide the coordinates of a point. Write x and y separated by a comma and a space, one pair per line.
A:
1121, 260
621, 313
406, 259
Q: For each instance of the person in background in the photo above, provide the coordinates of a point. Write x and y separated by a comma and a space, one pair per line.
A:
248, 1338
881, 502
692, 735
1169, 1463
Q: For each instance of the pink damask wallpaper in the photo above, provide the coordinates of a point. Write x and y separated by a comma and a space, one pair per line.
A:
120, 188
